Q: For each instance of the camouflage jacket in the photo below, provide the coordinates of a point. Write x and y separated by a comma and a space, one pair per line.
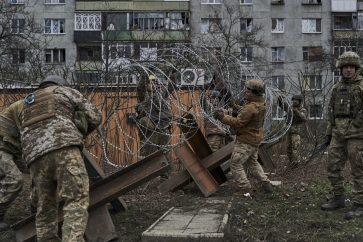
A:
299, 118
58, 130
9, 129
249, 122
345, 111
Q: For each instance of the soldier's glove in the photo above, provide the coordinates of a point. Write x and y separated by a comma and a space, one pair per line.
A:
327, 140
81, 123
218, 114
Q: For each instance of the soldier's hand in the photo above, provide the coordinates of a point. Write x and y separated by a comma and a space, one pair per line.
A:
218, 114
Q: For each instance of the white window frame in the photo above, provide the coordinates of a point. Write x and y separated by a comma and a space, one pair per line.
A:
16, 2
212, 2
360, 21
336, 76
276, 81
278, 113
246, 2
148, 53
279, 25
310, 25
343, 47
247, 23
55, 26
246, 54
308, 79
279, 53
17, 25
87, 21
207, 24
318, 117
119, 51
53, 55
54, 2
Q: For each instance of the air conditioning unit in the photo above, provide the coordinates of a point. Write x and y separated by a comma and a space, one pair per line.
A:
192, 77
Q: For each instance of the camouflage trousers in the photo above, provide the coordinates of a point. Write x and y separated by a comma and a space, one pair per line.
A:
293, 148
61, 179
246, 155
216, 141
339, 151
11, 181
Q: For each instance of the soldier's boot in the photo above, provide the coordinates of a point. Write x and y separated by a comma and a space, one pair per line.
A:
267, 187
3, 226
334, 203
357, 211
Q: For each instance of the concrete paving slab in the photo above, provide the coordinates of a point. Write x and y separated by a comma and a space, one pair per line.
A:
205, 223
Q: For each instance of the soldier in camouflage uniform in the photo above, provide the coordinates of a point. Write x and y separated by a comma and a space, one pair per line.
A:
11, 181
293, 137
345, 135
154, 117
215, 135
51, 145
249, 127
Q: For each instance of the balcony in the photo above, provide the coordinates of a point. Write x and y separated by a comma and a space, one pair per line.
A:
87, 36
138, 35
343, 5
89, 5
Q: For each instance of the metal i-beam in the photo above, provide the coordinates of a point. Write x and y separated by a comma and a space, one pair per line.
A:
197, 171
211, 162
106, 190
199, 144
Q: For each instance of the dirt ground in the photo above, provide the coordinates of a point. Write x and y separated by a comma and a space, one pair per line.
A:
291, 213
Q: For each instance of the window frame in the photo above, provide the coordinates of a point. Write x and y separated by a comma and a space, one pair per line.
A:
246, 57
308, 53
308, 30
317, 79
20, 56
278, 113
53, 55
55, 22
279, 22
275, 82
211, 22
79, 23
209, 2
54, 2
321, 111
246, 2
277, 50
248, 27
17, 25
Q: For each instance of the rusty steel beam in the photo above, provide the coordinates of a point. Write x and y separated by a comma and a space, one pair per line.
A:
107, 189
211, 162
197, 171
95, 174
199, 144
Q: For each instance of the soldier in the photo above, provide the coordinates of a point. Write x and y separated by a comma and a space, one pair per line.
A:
249, 127
293, 138
345, 135
154, 117
11, 181
51, 145
215, 135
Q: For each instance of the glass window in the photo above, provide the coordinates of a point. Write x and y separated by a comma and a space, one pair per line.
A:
17, 25
55, 56
54, 1
313, 82
312, 53
88, 21
277, 82
210, 25
246, 54
278, 54
212, 1
311, 25
343, 22
54, 26
277, 25
246, 25
246, 1
18, 56
315, 111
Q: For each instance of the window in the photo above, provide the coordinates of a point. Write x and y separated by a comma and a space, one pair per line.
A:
18, 56
343, 22
277, 25
313, 82
120, 51
277, 82
277, 2
176, 21
315, 111
246, 25
149, 52
16, 1
210, 25
278, 54
342, 46
277, 112
360, 21
246, 1
336, 76
17, 25
54, 1
246, 54
54, 26
88, 21
89, 53
55, 56
148, 21
212, 1
311, 25
88, 77
311, 2
312, 53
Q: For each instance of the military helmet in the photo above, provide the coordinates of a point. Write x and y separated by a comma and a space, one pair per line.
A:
349, 58
256, 86
152, 77
297, 97
54, 79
